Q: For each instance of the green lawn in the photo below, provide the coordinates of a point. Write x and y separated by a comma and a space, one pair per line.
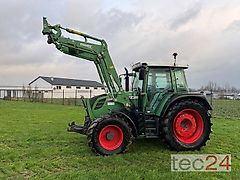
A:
34, 144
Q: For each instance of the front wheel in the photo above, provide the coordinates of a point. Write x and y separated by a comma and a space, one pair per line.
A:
109, 135
187, 125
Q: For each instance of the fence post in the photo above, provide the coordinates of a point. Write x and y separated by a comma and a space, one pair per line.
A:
37, 95
63, 96
24, 95
90, 93
75, 97
211, 96
42, 94
51, 96
34, 97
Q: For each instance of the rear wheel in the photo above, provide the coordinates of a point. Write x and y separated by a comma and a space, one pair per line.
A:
109, 135
187, 125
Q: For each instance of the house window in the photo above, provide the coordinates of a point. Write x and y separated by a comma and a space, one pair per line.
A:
86, 87
102, 88
68, 87
59, 87
78, 87
95, 87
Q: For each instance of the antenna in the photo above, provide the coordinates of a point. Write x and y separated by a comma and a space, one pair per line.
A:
175, 58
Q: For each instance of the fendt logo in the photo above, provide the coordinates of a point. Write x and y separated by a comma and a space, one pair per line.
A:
86, 45
201, 162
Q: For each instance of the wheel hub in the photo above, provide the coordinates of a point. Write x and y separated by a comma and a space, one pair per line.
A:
188, 126
111, 137
185, 125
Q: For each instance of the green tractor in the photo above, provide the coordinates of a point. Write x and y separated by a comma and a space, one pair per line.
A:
156, 104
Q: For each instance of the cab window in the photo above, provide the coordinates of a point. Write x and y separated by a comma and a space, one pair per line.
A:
181, 82
159, 79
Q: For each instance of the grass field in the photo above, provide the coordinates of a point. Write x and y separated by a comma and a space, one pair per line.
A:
34, 144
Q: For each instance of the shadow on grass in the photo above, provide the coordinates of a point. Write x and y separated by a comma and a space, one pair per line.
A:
79, 145
150, 145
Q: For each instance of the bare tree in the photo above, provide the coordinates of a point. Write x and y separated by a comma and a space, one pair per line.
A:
29, 92
24, 91
213, 86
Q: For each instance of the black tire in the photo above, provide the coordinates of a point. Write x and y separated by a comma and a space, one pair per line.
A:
95, 141
175, 122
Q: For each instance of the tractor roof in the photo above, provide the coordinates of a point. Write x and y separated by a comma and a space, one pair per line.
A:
139, 64
168, 66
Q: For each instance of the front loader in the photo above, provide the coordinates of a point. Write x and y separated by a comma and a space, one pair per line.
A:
158, 104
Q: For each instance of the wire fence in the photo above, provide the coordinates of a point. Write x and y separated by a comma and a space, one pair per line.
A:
64, 97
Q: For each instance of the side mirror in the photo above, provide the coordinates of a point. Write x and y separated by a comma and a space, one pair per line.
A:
142, 72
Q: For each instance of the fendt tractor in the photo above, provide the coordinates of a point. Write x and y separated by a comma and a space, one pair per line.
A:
155, 104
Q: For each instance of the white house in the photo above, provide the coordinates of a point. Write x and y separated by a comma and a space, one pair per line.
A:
11, 91
55, 87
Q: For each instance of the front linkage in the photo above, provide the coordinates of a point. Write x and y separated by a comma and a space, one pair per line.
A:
72, 127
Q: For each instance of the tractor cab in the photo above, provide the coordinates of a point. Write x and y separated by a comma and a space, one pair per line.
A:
153, 83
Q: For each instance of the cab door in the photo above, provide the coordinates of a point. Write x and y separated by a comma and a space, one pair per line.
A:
158, 86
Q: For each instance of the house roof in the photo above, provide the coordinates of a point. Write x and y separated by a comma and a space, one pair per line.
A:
68, 82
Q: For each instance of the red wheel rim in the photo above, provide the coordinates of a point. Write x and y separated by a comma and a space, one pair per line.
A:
111, 137
188, 126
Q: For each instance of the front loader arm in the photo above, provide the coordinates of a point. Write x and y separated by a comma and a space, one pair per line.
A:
98, 53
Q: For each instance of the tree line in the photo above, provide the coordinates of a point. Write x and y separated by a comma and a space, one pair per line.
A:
214, 87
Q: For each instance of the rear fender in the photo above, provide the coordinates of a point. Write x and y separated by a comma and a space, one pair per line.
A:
198, 97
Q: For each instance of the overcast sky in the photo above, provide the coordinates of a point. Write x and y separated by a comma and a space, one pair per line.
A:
205, 34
